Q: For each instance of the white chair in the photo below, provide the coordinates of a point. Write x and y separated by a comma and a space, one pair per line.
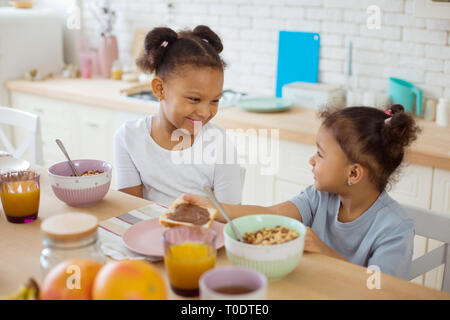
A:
29, 122
436, 226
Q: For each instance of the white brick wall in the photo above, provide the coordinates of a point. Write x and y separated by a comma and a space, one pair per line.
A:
416, 49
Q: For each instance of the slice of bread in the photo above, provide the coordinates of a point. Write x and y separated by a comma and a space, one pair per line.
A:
166, 221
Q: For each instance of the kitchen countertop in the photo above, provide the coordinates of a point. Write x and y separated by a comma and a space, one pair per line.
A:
297, 124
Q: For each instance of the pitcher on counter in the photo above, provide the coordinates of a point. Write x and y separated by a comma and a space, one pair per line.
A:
347, 211
188, 82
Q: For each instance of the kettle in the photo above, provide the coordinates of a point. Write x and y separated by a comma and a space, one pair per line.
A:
403, 92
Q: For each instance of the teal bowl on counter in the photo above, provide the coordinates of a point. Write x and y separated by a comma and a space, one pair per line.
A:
274, 261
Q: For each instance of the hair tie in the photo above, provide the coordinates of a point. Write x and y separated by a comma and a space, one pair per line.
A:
205, 40
164, 44
389, 113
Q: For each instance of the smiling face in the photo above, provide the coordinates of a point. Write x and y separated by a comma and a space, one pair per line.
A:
330, 164
191, 95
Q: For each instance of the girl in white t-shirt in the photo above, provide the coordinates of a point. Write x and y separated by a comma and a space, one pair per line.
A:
178, 150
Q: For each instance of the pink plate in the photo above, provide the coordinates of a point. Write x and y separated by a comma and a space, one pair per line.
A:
145, 237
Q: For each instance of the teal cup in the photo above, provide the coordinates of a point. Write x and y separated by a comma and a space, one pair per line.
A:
404, 93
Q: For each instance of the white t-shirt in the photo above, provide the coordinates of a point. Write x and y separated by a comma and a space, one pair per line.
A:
167, 174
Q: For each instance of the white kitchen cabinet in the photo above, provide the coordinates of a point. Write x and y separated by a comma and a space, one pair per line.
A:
290, 174
285, 190
275, 176
96, 129
258, 186
414, 188
56, 123
295, 172
294, 162
440, 202
124, 116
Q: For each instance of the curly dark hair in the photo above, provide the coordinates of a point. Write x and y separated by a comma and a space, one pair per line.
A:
374, 138
166, 50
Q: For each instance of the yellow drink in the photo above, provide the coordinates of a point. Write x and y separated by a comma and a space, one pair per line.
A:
20, 199
116, 74
186, 262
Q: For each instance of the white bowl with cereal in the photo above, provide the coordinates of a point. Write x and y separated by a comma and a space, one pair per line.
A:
273, 245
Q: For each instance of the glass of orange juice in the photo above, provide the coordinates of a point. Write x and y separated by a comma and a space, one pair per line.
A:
189, 252
20, 192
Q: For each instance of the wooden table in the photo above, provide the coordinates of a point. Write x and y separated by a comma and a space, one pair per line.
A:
316, 277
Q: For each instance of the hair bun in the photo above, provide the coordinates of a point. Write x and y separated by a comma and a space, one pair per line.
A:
396, 108
205, 33
154, 48
401, 130
156, 37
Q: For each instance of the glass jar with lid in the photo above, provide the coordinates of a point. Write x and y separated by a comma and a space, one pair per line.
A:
69, 236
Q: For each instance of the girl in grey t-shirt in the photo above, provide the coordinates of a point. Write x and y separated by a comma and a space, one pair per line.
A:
347, 211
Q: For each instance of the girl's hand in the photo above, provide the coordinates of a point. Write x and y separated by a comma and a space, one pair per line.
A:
197, 200
313, 243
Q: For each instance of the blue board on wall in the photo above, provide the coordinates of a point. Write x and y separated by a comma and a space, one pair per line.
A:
298, 58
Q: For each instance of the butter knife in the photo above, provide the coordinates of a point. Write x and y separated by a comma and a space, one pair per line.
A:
212, 197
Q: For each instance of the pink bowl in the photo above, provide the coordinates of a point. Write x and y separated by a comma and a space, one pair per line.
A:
80, 191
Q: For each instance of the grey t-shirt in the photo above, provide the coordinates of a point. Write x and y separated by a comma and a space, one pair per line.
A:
382, 236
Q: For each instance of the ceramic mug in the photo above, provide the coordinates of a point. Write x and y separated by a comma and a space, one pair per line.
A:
232, 283
403, 92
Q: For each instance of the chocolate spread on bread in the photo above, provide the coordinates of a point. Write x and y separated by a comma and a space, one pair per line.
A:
186, 212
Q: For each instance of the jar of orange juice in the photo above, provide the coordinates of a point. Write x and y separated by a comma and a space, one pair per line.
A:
69, 236
20, 193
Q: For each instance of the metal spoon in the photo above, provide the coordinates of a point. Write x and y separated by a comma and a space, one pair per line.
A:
212, 197
61, 146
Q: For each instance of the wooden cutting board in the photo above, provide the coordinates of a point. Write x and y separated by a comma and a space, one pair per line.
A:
298, 58
136, 88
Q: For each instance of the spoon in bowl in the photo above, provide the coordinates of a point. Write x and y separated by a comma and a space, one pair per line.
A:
212, 197
61, 146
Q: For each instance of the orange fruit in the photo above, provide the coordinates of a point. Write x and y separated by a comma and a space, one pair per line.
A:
70, 280
129, 280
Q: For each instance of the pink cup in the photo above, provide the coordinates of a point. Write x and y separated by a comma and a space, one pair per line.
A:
232, 283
